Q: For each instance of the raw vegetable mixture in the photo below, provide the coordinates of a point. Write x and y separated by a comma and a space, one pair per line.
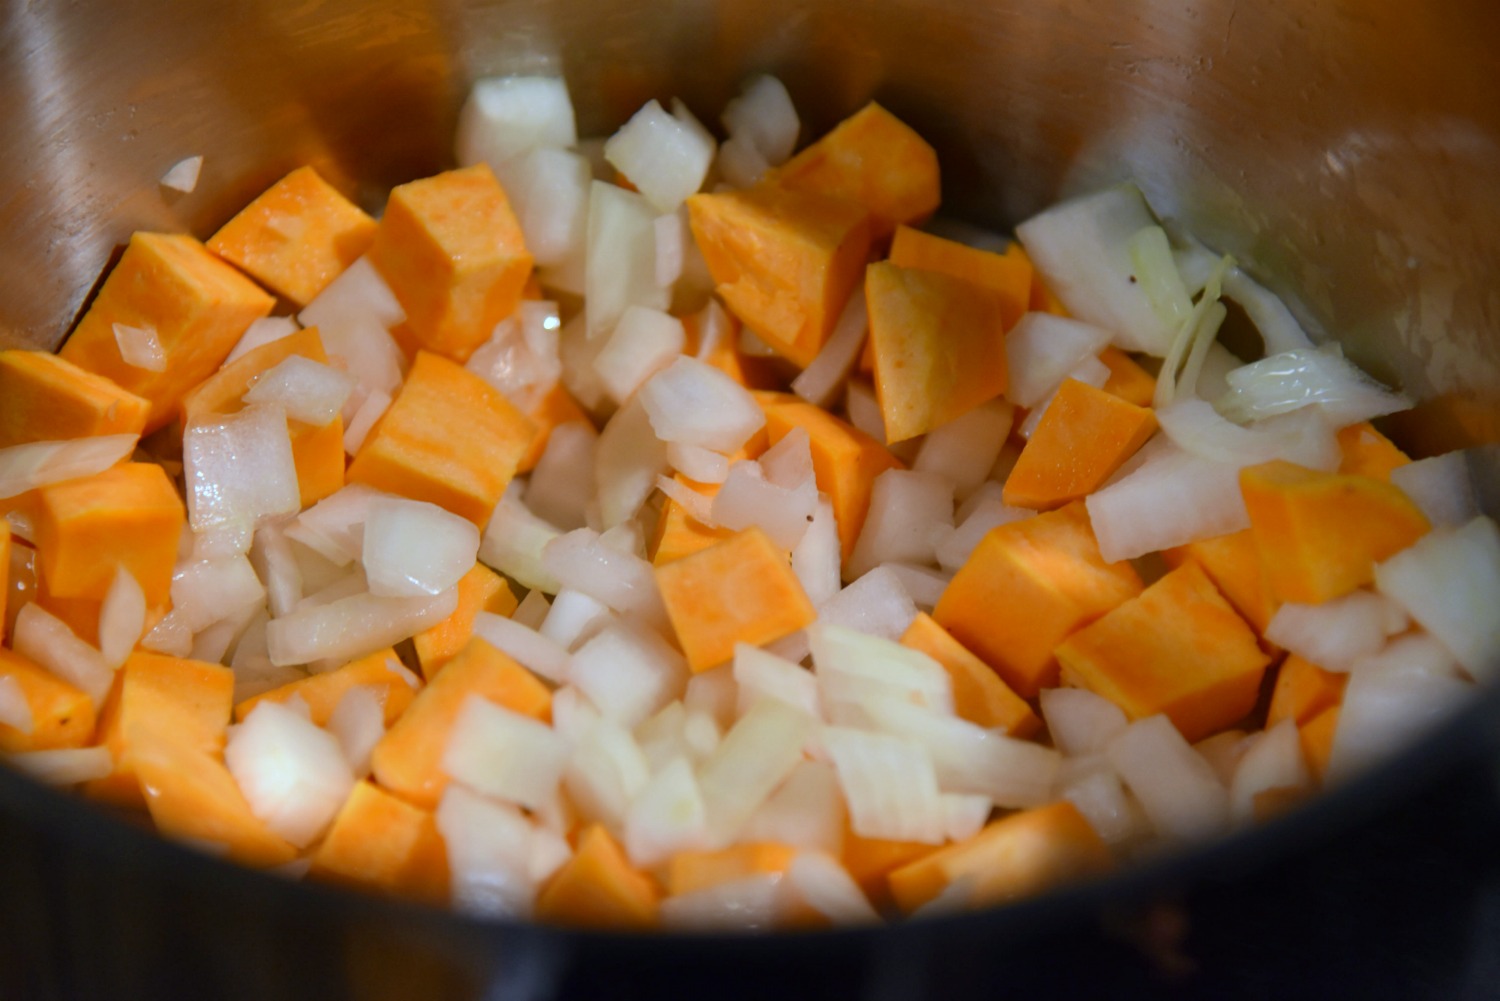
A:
671, 532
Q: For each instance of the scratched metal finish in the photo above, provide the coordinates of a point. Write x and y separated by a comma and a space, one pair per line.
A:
1347, 149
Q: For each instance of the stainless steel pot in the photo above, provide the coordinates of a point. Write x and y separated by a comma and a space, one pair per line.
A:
1348, 150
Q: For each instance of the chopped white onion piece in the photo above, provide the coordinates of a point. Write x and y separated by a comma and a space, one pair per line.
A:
1091, 372
628, 459
763, 115
628, 672
1334, 634
713, 693
572, 714
671, 236
827, 888
522, 358
532, 650
574, 618
693, 403
924, 585
953, 547
853, 667
760, 675
140, 348
276, 565
753, 903
756, 755
413, 548
876, 604
819, 383
263, 331
1081, 249
698, 464
666, 816
351, 310
1273, 762
15, 710
209, 591
1441, 487
362, 421
548, 189
1449, 582
1279, 330
1080, 721
1304, 437
577, 352
170, 636
817, 557
964, 450
490, 854
509, 115
40, 463
905, 508
309, 391
643, 342
806, 812
47, 642
1169, 499
504, 754
1101, 799
747, 499
621, 264
665, 157
513, 543
222, 543
183, 175
1180, 793
239, 468
293, 775
354, 626
122, 618
964, 814
740, 164
532, 611
64, 766
358, 723
1042, 349
626, 583
889, 785
1290, 380
605, 772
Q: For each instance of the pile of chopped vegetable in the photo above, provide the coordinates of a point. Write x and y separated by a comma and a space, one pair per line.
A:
666, 531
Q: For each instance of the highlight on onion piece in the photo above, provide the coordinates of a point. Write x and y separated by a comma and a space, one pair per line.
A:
41, 463
413, 548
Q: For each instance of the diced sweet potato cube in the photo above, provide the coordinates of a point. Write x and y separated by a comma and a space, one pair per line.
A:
1363, 451
873, 158
1320, 534
192, 797
408, 758
678, 534
479, 590
197, 305
61, 715
296, 237
45, 397
453, 253
187, 700
449, 438
557, 407
846, 461
1014, 857
1127, 379
1177, 648
785, 262
688, 871
1007, 274
318, 454
741, 590
128, 516
323, 692
382, 843
1232, 562
870, 861
1083, 437
1026, 587
1316, 737
599, 888
1303, 690
979, 695
939, 347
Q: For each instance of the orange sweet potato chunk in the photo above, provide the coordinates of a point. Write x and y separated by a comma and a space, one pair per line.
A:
1127, 379
5, 545
1303, 691
741, 590
188, 700
323, 692
870, 861
872, 158
688, 871
453, 253
784, 262
449, 438
678, 534
1316, 737
979, 695
846, 461
1320, 534
939, 345
192, 797
1008, 274
408, 758
1026, 587
130, 516
599, 888
198, 306
479, 590
44, 397
1083, 437
1232, 562
1014, 857
1177, 648
381, 843
296, 237
61, 715
1363, 451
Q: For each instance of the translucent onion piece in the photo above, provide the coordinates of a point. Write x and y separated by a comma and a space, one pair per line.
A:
309, 391
1042, 349
1179, 792
806, 812
876, 604
827, 888
263, 331
573, 618
239, 468
605, 771
1290, 380
905, 509
353, 626
756, 756
1279, 330
1157, 274
293, 774
507, 116
923, 585
1449, 582
562, 484
1273, 763
15, 710
953, 547
1441, 487
1169, 499
817, 557
627, 462
122, 618
513, 543
549, 192
276, 565
1079, 721
748, 499
964, 450
532, 611
39, 463
819, 383
760, 675
46, 641
889, 785
140, 348
693, 403
1334, 634
621, 268
753, 903
664, 157
700, 465
183, 175
490, 850
413, 548
375, 403
1304, 437
358, 723
503, 754
1101, 799
209, 591
626, 583
532, 650
666, 816
348, 306
852, 666
628, 672
763, 115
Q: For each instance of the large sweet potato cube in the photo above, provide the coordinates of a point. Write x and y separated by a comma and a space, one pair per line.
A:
979, 695
382, 843
44, 397
1232, 562
598, 887
1007, 274
1083, 437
